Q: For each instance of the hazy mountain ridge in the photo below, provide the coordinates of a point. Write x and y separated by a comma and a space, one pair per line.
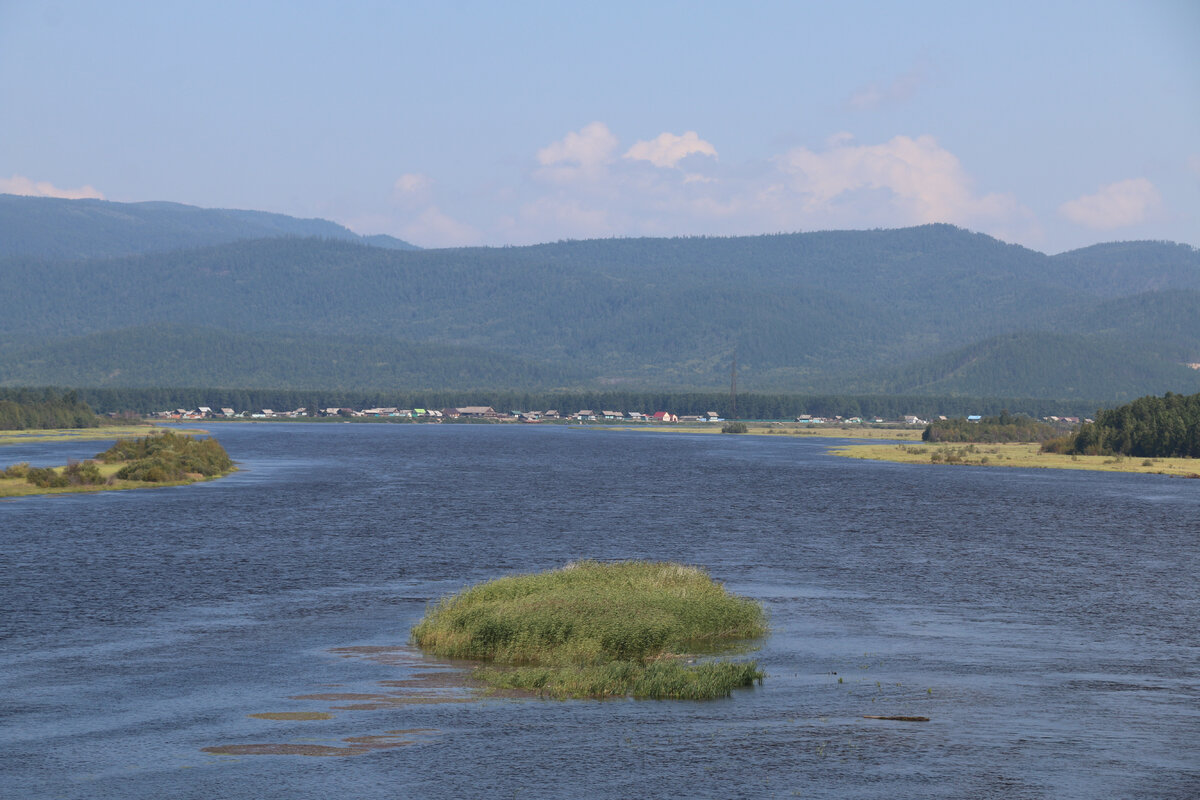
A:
52, 228
889, 310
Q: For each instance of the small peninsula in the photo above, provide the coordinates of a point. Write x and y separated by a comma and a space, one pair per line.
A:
166, 458
1157, 435
597, 630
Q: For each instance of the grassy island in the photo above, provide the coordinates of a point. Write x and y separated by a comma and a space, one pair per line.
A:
593, 629
163, 459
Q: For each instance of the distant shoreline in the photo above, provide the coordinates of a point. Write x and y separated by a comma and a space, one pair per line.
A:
76, 434
1021, 455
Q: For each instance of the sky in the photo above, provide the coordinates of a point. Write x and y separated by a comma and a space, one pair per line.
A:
1054, 125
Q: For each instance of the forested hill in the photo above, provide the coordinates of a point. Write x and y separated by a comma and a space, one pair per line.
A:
929, 309
51, 228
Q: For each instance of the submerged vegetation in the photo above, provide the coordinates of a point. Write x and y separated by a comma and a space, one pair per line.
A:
592, 629
165, 459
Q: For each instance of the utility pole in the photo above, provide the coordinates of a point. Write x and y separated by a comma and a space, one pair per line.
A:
733, 387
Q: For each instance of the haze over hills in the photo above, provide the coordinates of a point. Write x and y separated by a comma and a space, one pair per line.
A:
932, 309
51, 228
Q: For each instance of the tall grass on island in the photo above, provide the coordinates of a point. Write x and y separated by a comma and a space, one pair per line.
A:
594, 629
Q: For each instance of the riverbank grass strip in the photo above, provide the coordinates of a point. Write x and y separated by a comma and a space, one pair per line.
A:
596, 629
1025, 455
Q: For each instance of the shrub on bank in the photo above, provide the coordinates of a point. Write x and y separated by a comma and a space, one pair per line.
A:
168, 456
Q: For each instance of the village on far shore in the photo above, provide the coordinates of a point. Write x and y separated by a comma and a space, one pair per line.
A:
489, 414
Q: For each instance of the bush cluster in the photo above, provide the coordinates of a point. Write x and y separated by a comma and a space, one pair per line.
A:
169, 456
76, 473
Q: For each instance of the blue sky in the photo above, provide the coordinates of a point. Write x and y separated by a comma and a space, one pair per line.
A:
1054, 125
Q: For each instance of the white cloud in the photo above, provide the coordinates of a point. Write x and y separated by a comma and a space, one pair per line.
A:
582, 186
412, 183
1115, 205
667, 149
432, 228
19, 184
919, 178
568, 216
585, 153
874, 94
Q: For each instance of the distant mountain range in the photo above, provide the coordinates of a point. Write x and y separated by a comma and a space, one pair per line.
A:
150, 294
50, 228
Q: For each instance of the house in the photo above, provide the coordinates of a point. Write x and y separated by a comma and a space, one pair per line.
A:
974, 418
664, 416
476, 412
611, 415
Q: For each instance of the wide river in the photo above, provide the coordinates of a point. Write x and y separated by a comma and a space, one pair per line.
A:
1047, 623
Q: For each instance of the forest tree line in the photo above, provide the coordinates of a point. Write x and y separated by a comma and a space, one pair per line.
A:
1149, 427
991, 430
22, 409
748, 405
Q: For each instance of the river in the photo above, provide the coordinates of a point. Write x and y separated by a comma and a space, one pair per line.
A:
1046, 622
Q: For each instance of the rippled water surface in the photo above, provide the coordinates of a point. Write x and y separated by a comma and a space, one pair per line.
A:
1047, 623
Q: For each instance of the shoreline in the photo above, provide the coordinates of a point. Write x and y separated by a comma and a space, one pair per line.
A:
29, 490
1021, 455
78, 434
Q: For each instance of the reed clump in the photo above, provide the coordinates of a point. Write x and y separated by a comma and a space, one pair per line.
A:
596, 629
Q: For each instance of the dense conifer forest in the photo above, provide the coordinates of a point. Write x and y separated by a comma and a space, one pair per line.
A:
142, 295
44, 408
1149, 427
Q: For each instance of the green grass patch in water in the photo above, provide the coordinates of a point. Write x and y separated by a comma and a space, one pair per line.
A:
599, 630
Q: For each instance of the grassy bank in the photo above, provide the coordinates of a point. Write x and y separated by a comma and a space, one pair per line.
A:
165, 459
75, 434
598, 630
1017, 455
780, 429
